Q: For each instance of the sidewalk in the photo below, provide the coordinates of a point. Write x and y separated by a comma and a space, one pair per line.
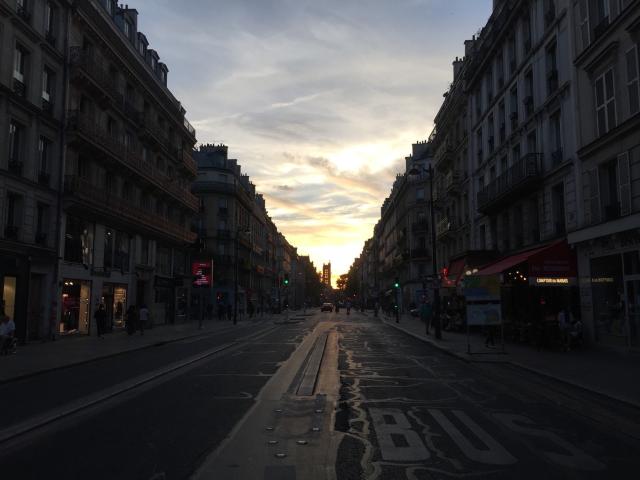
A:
606, 372
37, 357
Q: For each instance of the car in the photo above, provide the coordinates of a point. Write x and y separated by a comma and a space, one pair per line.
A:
326, 307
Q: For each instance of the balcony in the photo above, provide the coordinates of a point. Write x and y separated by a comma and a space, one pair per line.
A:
41, 238
11, 232
47, 107
445, 226
23, 13
15, 167
601, 28
85, 67
150, 130
420, 253
556, 157
81, 195
420, 227
91, 133
19, 88
44, 178
444, 153
452, 181
520, 179
189, 163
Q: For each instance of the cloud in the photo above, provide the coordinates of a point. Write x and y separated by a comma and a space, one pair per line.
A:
319, 101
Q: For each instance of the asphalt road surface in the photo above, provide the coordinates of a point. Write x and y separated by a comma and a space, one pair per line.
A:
323, 396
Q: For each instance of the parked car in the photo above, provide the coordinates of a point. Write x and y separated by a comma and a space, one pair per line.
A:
326, 307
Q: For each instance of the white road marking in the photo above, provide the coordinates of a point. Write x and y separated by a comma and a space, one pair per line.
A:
495, 454
413, 451
574, 458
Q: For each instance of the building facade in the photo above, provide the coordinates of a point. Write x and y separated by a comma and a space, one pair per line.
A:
32, 116
127, 209
607, 238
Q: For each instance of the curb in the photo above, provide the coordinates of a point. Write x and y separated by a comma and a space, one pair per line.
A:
158, 343
628, 402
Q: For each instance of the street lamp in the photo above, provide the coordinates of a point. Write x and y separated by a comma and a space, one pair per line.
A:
235, 295
414, 171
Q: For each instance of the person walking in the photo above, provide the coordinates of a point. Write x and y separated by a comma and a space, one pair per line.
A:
131, 319
229, 312
143, 317
100, 316
425, 314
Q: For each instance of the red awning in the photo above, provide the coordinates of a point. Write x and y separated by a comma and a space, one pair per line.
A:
555, 259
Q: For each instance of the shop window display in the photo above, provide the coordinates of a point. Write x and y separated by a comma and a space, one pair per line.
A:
75, 307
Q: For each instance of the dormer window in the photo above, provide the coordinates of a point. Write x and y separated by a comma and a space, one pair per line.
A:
153, 63
109, 7
127, 29
141, 48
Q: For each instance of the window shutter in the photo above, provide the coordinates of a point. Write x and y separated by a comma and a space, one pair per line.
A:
624, 183
595, 196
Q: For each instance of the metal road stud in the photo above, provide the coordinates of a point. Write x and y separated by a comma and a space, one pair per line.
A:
280, 455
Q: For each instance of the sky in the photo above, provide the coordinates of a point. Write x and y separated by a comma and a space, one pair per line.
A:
319, 100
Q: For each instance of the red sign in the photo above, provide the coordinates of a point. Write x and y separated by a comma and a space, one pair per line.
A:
202, 273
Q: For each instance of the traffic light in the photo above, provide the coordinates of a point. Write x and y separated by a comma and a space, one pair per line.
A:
396, 283
286, 279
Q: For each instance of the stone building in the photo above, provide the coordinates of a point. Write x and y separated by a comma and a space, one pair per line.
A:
128, 167
606, 42
32, 115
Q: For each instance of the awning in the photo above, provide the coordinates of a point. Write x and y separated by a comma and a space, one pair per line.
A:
456, 269
553, 260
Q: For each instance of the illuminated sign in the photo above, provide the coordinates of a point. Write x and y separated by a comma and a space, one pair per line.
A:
602, 280
552, 281
202, 273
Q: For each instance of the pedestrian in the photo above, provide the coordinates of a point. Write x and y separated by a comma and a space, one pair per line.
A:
229, 312
7, 334
131, 319
100, 316
143, 317
250, 308
425, 314
221, 311
563, 328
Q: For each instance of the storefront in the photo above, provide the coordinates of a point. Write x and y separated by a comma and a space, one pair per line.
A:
76, 307
610, 287
536, 285
114, 298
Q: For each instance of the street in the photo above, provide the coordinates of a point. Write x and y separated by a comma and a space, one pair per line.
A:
319, 396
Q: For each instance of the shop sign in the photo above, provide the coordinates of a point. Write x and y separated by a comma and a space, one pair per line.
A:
551, 281
201, 272
484, 314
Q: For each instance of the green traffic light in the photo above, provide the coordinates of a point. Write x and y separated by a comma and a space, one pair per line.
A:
397, 285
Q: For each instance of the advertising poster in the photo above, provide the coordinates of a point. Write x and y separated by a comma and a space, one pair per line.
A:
484, 314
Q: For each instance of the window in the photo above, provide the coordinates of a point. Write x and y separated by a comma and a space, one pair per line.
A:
557, 204
608, 189
552, 68
489, 86
126, 191
19, 64
109, 240
48, 81
511, 51
42, 219
532, 142
479, 145
600, 20
633, 88
16, 132
526, 34
500, 68
141, 47
13, 215
44, 152
49, 21
127, 29
556, 138
583, 12
515, 154
109, 6
78, 244
514, 107
605, 102
549, 12
121, 254
501, 119
144, 251
490, 131
419, 194
528, 93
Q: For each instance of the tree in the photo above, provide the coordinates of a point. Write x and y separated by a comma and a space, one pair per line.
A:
342, 281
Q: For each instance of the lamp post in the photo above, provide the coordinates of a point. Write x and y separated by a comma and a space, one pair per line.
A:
436, 287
